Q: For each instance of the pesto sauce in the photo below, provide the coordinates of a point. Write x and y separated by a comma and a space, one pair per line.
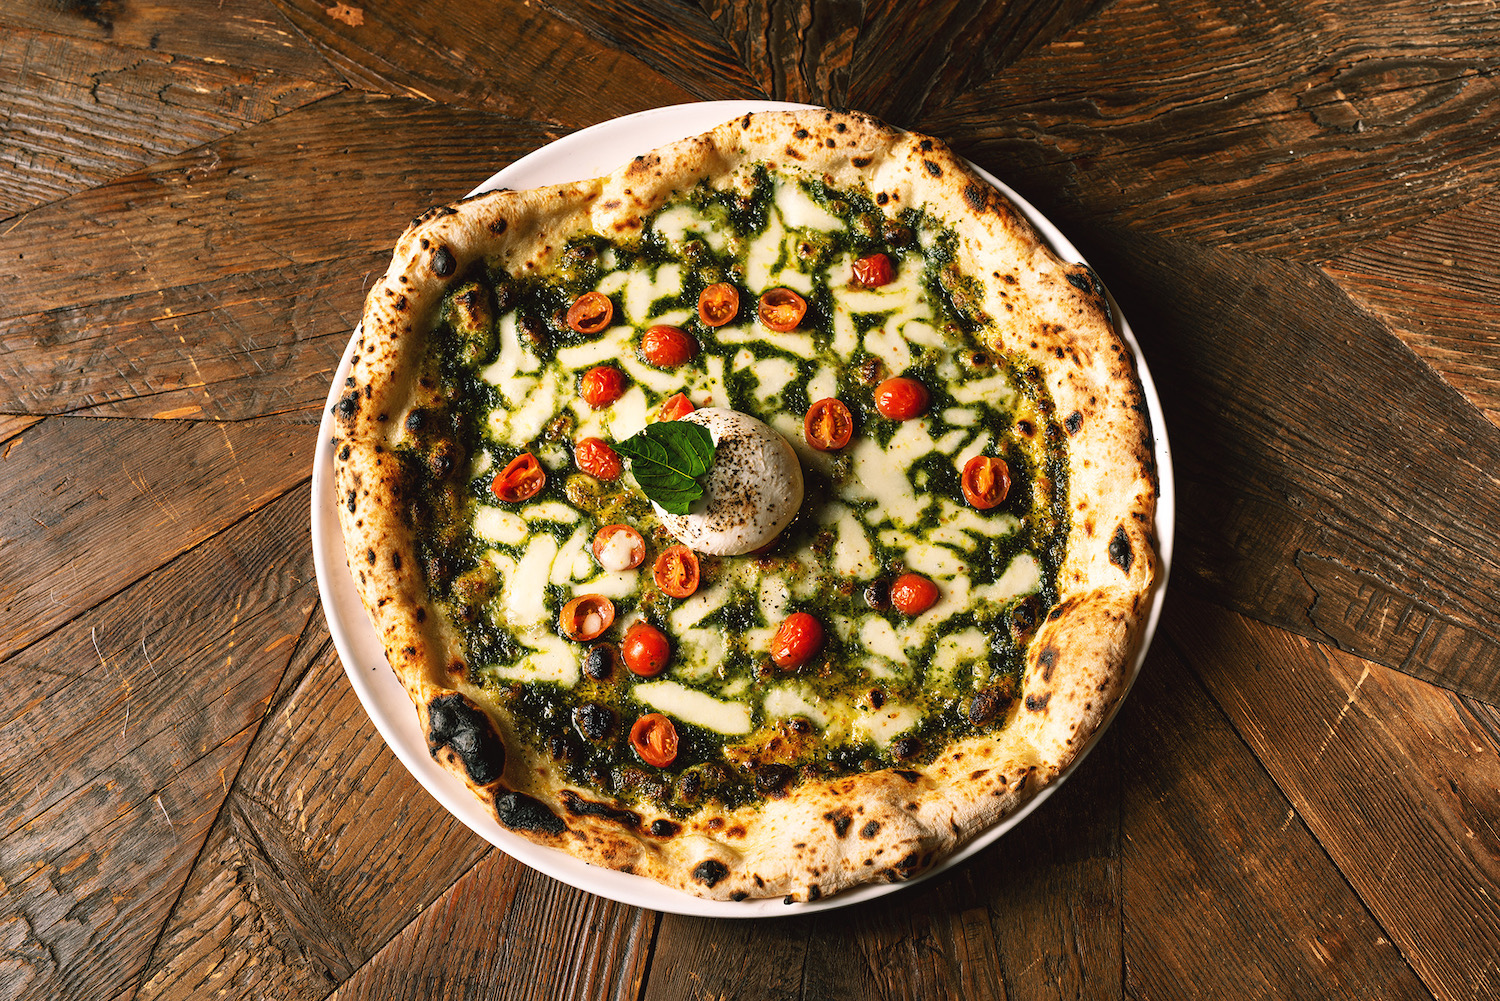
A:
455, 559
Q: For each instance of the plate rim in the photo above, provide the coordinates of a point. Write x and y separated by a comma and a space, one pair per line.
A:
578, 153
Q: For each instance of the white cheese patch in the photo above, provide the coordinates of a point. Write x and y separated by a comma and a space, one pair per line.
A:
681, 223
611, 585
774, 598
644, 288
549, 658
693, 706
569, 557
994, 389
786, 701
1023, 576
935, 561
762, 258
970, 450
550, 511
952, 440
798, 210
797, 343
495, 524
886, 725
822, 385
772, 375
853, 555
522, 593
879, 637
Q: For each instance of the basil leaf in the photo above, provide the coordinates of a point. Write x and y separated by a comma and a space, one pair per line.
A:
667, 458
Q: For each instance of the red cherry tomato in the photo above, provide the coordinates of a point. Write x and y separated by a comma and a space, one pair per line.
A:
645, 650
798, 639
828, 425
985, 481
655, 739
590, 313
781, 309
619, 548
676, 571
913, 594
873, 271
601, 386
522, 479
675, 408
718, 304
901, 398
667, 347
596, 458
586, 617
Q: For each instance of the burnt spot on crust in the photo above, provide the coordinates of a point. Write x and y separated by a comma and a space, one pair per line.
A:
932, 168
520, 812
1036, 703
870, 830
348, 404
497, 226
1120, 553
1085, 281
907, 774
861, 161
710, 872
580, 807
814, 892
800, 133
443, 262
457, 724
664, 828
1047, 657
738, 895
771, 779
1074, 421
840, 819
974, 196
986, 705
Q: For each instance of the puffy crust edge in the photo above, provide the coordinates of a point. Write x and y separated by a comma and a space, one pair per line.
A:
824, 836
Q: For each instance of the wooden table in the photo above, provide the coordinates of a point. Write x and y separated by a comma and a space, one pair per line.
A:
1295, 204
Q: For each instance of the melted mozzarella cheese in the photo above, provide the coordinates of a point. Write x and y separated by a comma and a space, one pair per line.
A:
693, 706
494, 524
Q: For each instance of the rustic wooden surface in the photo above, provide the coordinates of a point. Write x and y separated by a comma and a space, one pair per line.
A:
1295, 202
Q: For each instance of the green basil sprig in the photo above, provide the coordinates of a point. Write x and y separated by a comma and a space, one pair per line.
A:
667, 458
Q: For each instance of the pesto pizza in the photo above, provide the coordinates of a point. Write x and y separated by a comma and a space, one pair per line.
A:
770, 516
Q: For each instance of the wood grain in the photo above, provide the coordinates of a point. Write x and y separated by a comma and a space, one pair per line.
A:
510, 57
62, 536
1302, 126
78, 113
245, 345
119, 736
1420, 853
797, 51
1212, 852
222, 210
1435, 286
1304, 432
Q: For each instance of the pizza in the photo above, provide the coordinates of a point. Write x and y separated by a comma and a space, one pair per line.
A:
770, 516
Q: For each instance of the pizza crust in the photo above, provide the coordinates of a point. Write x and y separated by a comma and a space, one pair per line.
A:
823, 836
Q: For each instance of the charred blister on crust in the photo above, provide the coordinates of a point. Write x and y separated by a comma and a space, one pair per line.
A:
580, 807
710, 872
456, 724
840, 819
1120, 552
520, 812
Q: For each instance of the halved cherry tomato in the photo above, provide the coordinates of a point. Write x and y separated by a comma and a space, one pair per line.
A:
675, 408
601, 386
828, 425
901, 398
913, 594
985, 481
596, 458
798, 639
586, 617
590, 313
522, 479
873, 271
781, 309
718, 304
645, 650
667, 347
655, 739
676, 571
619, 548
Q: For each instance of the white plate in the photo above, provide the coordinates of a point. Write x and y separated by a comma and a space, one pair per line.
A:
589, 153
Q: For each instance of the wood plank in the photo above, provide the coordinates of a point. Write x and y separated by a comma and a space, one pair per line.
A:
244, 345
274, 195
1226, 893
123, 504
798, 50
504, 930
909, 58
80, 112
1292, 132
326, 850
1330, 482
237, 32
119, 734
1398, 782
678, 40
1435, 285
517, 58
12, 425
